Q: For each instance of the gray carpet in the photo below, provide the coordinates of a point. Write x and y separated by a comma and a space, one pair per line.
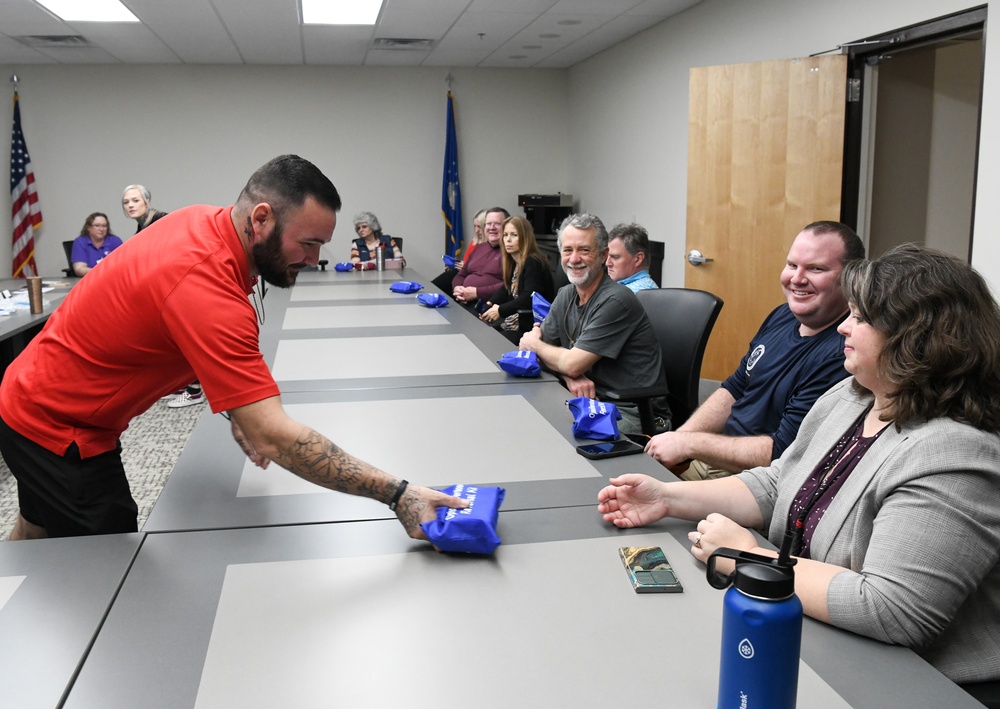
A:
150, 448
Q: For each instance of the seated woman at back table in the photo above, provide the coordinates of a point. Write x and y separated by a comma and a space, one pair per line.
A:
525, 271
370, 237
891, 485
94, 243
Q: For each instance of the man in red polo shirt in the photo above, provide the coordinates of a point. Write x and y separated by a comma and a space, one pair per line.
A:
166, 308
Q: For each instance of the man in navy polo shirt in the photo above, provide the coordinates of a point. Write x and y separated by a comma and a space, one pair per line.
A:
796, 355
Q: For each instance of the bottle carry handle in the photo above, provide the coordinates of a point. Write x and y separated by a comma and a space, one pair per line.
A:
720, 580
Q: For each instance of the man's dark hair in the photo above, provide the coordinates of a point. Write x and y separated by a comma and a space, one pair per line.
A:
634, 238
506, 214
854, 248
285, 182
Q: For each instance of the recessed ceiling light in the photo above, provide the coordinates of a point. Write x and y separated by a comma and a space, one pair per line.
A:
550, 36
340, 12
89, 10
531, 46
518, 56
568, 22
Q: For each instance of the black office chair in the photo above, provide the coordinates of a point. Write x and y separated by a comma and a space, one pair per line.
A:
68, 248
682, 320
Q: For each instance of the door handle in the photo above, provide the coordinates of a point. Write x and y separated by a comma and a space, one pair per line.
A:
695, 258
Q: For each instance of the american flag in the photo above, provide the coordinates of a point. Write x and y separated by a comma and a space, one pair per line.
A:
26, 212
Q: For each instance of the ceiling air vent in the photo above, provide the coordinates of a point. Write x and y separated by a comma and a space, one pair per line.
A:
54, 41
402, 43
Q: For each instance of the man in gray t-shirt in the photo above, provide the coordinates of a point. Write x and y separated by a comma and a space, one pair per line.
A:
596, 336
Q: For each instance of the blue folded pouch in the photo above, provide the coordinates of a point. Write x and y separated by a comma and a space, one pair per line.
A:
520, 363
594, 419
405, 287
449, 261
343, 267
539, 307
432, 300
472, 530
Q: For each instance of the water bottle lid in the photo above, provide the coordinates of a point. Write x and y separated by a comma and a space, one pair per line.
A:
773, 583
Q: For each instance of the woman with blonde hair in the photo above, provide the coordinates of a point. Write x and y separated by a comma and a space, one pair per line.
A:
525, 271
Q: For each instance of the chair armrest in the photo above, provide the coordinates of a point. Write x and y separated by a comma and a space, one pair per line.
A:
637, 393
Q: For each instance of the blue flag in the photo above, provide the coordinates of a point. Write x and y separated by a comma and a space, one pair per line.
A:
451, 194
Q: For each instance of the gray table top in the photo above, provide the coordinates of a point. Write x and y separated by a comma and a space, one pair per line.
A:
348, 331
23, 319
516, 435
54, 594
314, 615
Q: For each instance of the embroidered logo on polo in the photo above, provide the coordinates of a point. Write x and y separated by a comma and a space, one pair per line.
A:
755, 356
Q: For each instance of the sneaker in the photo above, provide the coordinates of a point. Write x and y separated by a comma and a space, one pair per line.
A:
186, 398
172, 395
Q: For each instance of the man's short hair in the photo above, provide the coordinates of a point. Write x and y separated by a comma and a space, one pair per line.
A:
506, 214
634, 238
854, 248
285, 182
585, 221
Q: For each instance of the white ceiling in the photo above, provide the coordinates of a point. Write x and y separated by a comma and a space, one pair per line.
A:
463, 33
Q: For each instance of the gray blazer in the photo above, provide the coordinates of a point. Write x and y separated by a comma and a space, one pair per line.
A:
917, 525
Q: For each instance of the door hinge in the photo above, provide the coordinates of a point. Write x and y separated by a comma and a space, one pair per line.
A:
853, 90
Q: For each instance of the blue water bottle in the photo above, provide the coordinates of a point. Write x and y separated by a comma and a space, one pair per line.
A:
761, 631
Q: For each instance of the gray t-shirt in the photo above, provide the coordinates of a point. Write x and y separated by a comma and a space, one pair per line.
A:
612, 324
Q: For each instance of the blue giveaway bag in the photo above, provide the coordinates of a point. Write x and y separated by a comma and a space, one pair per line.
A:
520, 363
342, 267
449, 261
432, 300
472, 530
539, 306
594, 419
405, 287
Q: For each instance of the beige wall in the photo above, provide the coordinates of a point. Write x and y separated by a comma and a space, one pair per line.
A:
629, 105
193, 134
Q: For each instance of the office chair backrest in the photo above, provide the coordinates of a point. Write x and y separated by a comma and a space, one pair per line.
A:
68, 248
682, 319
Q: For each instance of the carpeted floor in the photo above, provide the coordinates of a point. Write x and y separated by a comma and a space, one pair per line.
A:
150, 448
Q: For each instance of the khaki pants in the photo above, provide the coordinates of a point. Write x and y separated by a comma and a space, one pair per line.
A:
699, 470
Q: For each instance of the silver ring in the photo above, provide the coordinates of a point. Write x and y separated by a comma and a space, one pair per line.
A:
697, 542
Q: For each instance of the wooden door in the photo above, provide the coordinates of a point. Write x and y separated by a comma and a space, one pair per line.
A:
765, 157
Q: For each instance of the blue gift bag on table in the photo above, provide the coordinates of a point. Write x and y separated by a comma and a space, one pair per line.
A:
520, 363
405, 287
343, 267
432, 300
594, 419
539, 307
472, 530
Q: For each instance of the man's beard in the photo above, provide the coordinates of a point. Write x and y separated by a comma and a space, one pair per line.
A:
584, 278
271, 263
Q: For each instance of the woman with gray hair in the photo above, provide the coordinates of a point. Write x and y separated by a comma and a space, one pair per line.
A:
370, 237
135, 204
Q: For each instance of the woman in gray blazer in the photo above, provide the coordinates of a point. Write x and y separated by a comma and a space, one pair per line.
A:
892, 486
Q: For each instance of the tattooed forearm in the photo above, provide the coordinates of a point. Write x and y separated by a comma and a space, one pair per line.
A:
319, 460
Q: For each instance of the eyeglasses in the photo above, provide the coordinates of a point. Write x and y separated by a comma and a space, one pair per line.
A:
99, 226
495, 224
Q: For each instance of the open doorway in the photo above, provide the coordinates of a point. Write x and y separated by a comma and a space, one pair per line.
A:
912, 134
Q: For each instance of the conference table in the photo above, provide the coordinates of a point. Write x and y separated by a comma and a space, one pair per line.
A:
17, 323
252, 588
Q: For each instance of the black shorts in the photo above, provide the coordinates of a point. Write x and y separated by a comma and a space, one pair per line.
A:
66, 495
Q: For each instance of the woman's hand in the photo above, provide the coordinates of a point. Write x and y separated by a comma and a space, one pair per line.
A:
632, 501
491, 314
716, 531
